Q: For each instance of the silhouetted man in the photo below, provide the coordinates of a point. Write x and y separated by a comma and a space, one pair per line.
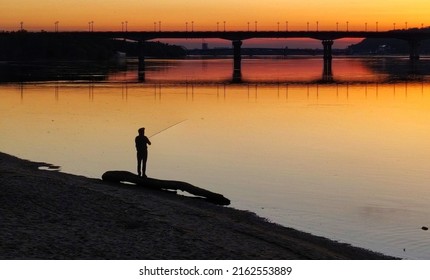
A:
142, 151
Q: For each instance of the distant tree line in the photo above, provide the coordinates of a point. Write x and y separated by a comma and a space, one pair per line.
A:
24, 45
150, 49
386, 46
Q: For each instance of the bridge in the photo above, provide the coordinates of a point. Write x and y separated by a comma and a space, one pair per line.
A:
413, 37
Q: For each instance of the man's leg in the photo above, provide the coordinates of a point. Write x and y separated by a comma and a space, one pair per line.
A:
139, 165
144, 159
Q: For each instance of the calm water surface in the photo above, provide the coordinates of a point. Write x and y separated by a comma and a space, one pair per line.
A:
343, 156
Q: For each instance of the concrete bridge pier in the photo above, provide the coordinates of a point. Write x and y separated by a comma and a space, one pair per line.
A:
236, 55
414, 49
141, 59
327, 44
327, 65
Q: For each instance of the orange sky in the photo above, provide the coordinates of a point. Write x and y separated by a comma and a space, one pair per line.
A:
141, 15
204, 15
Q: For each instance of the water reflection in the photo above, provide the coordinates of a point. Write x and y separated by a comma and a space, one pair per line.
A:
327, 76
254, 91
399, 69
293, 70
345, 159
40, 71
271, 70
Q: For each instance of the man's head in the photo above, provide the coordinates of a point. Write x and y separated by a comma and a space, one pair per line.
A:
141, 131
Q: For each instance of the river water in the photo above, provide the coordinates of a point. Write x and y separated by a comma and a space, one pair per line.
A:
343, 155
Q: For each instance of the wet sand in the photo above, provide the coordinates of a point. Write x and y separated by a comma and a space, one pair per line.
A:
53, 215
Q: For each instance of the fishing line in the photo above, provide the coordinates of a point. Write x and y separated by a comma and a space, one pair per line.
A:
167, 128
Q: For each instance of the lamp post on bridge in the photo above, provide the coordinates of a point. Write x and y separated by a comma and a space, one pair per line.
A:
406, 25
278, 26
307, 28
347, 26
337, 26
159, 26
365, 26
56, 26
155, 26
248, 26
122, 26
224, 26
317, 26
286, 26
255, 26
394, 26
22, 25
376, 26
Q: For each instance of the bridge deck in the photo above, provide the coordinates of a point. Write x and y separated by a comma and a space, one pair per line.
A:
409, 34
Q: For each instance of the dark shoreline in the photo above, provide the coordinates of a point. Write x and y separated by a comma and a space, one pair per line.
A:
52, 215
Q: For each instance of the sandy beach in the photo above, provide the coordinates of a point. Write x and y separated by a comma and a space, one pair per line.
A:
52, 215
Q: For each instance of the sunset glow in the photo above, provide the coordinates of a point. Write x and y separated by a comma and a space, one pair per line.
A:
202, 15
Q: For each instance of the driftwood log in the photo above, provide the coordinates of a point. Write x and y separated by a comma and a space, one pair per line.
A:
125, 176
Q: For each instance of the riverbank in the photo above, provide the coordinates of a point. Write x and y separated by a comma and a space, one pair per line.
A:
52, 215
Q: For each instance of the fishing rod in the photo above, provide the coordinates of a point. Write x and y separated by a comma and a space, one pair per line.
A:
167, 128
